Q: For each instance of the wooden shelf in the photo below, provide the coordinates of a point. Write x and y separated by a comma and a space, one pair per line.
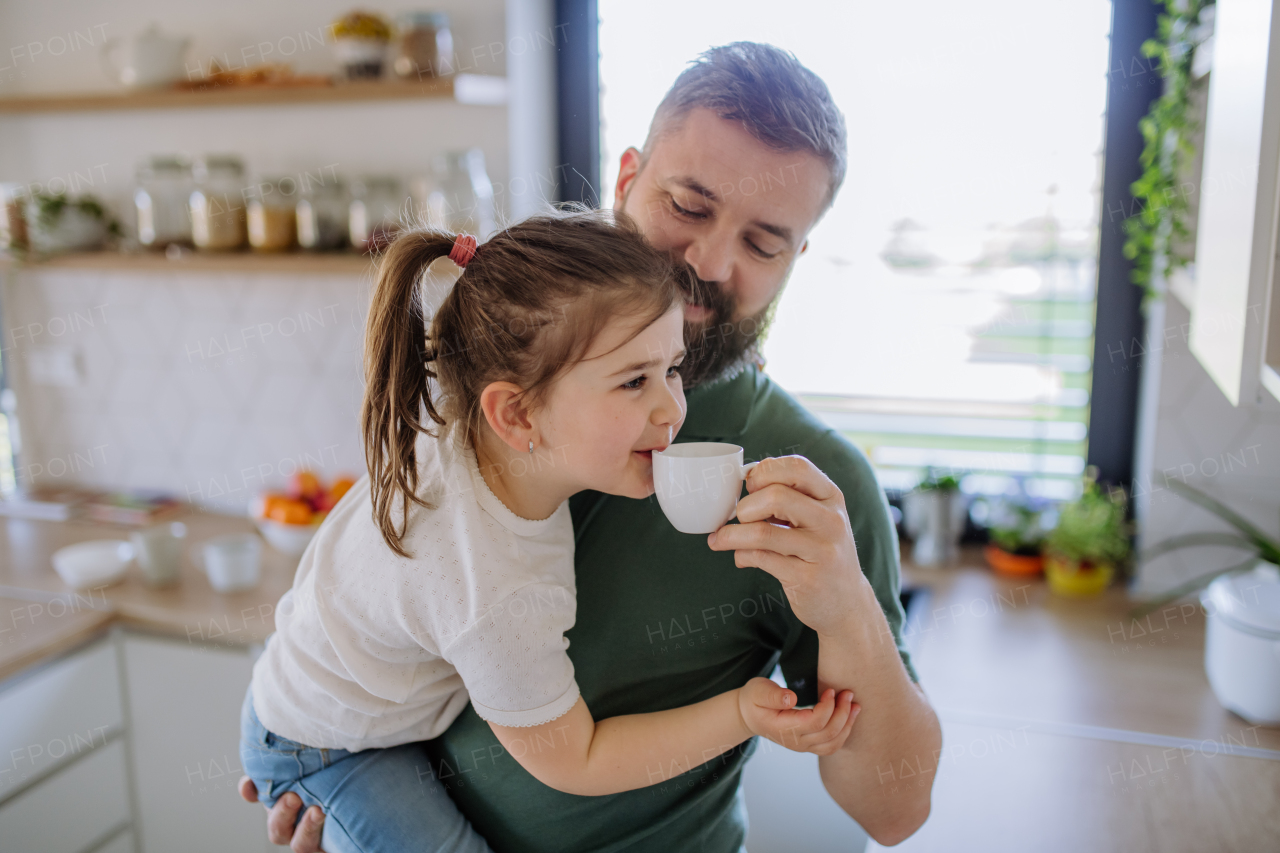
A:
472, 89
346, 264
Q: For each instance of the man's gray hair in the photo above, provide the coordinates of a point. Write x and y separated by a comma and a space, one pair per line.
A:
779, 101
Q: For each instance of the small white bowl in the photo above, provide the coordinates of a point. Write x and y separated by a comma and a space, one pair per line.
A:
290, 539
99, 562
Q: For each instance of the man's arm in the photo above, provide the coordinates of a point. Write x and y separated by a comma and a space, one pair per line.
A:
794, 525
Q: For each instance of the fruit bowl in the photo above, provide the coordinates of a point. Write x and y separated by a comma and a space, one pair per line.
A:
289, 519
290, 539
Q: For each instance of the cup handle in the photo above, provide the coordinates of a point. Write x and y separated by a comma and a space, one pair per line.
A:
745, 470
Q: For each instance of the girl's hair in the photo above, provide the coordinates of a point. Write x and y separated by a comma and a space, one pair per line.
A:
528, 306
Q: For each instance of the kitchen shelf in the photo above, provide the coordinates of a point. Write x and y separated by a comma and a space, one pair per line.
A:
291, 263
471, 89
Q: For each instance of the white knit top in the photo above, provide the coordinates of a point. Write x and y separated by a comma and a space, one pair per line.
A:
374, 650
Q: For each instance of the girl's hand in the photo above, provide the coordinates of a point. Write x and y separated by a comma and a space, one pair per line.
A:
769, 710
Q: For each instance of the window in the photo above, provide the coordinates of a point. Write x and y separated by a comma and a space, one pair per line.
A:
942, 316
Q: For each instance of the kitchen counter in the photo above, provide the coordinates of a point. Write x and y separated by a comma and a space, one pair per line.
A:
46, 616
33, 629
1067, 725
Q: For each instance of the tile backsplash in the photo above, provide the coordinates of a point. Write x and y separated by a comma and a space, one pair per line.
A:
208, 385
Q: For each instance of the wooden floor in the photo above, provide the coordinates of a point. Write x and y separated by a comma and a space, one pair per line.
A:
1068, 726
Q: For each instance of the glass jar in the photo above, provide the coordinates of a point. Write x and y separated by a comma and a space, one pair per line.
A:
13, 220
272, 220
374, 212
461, 195
424, 45
217, 203
322, 215
161, 201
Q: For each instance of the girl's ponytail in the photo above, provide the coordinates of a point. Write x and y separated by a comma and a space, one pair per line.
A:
397, 378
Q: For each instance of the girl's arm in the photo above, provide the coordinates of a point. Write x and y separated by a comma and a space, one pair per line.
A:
577, 755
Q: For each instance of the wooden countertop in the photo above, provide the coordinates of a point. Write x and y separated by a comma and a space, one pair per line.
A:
32, 629
190, 610
1068, 726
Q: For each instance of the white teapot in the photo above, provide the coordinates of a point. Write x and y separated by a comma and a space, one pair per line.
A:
148, 59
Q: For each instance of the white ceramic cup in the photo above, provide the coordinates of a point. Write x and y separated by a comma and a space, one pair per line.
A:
698, 484
159, 551
233, 562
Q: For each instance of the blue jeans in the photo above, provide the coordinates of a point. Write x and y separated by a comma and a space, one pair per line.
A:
374, 800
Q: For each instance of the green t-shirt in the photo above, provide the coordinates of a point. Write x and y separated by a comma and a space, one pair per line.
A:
664, 621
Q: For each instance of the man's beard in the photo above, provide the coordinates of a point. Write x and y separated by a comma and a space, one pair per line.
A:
718, 347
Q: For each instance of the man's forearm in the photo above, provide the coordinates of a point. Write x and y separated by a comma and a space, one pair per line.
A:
896, 730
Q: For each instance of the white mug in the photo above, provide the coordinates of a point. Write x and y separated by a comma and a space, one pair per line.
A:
233, 561
159, 551
698, 484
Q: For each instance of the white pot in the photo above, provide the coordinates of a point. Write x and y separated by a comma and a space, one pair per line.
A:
149, 59
935, 520
74, 230
1242, 643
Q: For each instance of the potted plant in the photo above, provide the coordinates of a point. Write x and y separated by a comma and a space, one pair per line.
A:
60, 223
934, 514
1089, 541
1248, 538
1017, 537
1242, 629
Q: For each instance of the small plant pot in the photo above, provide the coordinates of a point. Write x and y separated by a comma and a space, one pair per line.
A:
1074, 579
1017, 565
935, 520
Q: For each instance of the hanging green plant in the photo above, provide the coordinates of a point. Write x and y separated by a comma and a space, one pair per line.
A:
1160, 222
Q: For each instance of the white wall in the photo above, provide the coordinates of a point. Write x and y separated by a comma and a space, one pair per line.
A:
1198, 437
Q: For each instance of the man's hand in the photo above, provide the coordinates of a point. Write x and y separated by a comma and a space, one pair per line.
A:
769, 711
794, 526
281, 820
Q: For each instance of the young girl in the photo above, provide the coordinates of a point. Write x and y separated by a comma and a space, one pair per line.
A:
446, 574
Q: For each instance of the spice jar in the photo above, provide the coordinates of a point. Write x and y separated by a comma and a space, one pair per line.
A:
161, 201
217, 203
374, 212
322, 215
13, 220
272, 220
424, 47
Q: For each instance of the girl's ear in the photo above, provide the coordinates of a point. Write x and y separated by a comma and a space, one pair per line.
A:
504, 409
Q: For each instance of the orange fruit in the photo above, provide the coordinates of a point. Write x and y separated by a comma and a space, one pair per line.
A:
339, 488
288, 511
306, 485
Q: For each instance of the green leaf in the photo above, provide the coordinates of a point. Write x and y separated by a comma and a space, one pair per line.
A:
1193, 585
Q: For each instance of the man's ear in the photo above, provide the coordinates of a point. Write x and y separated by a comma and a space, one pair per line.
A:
505, 411
628, 168
803, 248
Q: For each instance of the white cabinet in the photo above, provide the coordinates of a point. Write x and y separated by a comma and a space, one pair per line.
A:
1235, 295
58, 714
184, 708
72, 811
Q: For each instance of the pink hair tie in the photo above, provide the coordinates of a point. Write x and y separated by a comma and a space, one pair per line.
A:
464, 249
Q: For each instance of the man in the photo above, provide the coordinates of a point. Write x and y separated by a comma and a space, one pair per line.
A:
744, 155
